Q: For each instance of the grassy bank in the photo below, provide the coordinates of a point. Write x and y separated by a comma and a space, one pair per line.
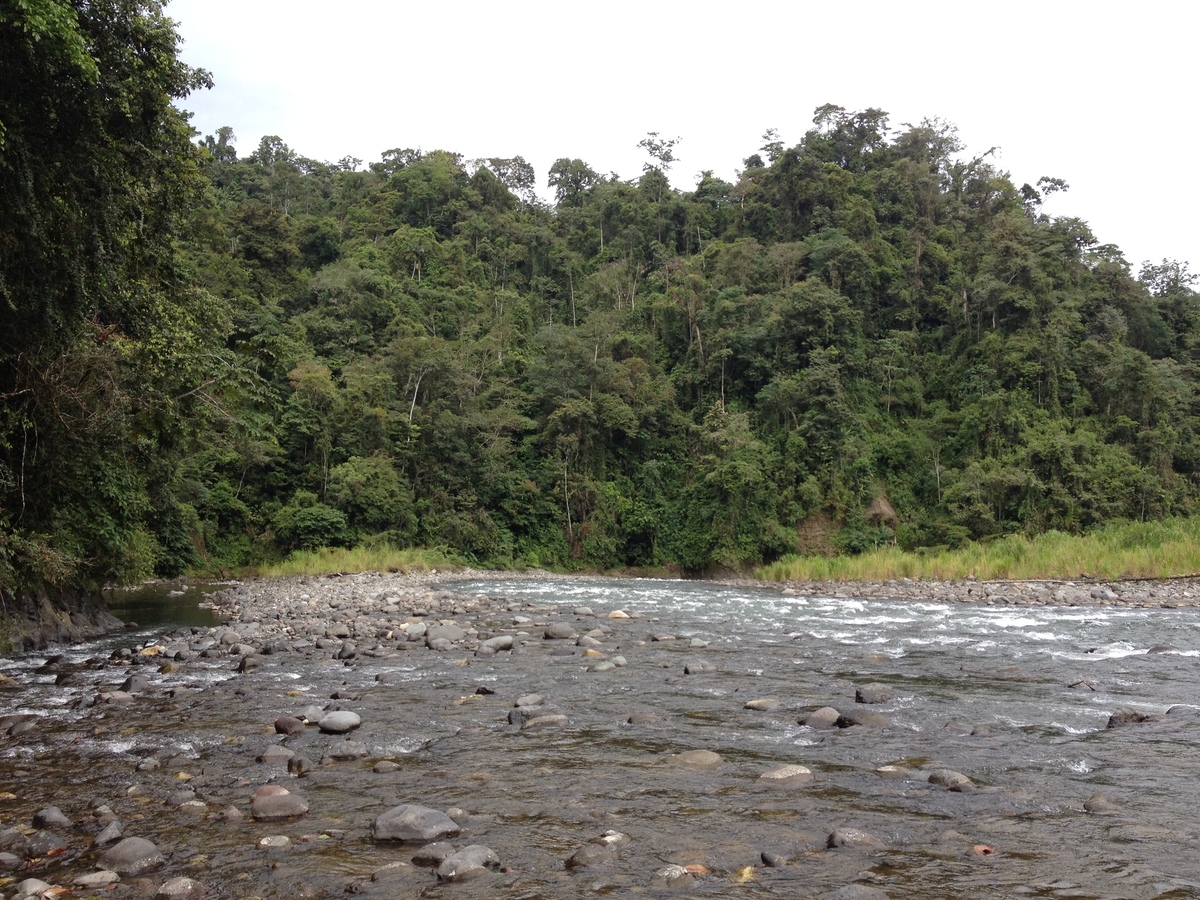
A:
1135, 550
327, 561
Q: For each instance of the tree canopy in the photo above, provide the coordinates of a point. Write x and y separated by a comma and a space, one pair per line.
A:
869, 337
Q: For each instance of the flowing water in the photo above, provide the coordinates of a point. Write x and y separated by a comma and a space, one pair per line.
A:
1016, 698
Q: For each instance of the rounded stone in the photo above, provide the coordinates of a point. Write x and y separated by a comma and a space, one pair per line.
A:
698, 759
413, 824
787, 776
132, 856
181, 888
339, 722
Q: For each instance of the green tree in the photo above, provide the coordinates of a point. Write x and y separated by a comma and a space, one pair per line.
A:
104, 341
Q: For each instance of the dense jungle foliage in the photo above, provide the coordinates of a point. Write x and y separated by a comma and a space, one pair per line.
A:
872, 337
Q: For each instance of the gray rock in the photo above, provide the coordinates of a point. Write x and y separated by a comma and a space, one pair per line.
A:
773, 860
697, 759
495, 645
855, 892
853, 838
787, 776
699, 667
954, 781
271, 803
825, 717
31, 887
433, 855
275, 754
1127, 716
861, 717
181, 888
1099, 805
763, 704
110, 834
550, 720
558, 631
671, 877
102, 879
132, 856
874, 693
288, 725
413, 824
299, 766
530, 700
339, 721
450, 633
9, 861
51, 817
592, 855
471, 862
385, 767
42, 843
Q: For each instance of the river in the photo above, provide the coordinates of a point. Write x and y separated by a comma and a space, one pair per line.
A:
1015, 698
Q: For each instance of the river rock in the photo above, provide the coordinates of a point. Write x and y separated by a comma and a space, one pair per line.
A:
787, 776
471, 862
592, 855
181, 888
339, 721
855, 892
874, 693
671, 877
31, 887
105, 878
288, 725
764, 704
495, 645
699, 667
1099, 805
433, 855
825, 717
559, 631
43, 843
109, 834
275, 754
548, 720
132, 856
697, 759
861, 717
51, 817
1127, 716
449, 632
954, 781
271, 803
853, 838
299, 766
413, 824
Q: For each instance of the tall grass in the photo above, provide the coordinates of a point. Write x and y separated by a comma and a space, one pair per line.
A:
327, 561
1133, 550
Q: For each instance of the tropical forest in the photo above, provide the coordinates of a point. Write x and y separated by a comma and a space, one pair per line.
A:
216, 355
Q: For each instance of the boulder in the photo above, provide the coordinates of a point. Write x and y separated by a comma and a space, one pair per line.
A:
853, 838
467, 864
825, 717
413, 824
874, 693
339, 721
132, 856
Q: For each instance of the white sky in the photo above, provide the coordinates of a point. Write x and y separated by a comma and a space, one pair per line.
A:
1102, 95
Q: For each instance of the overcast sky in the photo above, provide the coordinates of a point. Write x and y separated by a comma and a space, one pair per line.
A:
1099, 95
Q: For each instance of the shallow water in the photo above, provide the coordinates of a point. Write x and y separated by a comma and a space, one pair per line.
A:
1039, 751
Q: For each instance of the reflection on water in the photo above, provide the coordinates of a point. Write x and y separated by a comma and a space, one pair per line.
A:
164, 605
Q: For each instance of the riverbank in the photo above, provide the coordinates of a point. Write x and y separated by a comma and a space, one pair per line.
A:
379, 734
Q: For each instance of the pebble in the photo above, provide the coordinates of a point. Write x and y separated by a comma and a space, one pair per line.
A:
471, 862
339, 722
272, 802
181, 888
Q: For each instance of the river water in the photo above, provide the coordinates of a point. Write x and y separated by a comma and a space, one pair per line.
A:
1015, 698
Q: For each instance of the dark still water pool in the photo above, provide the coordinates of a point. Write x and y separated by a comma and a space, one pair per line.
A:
1016, 699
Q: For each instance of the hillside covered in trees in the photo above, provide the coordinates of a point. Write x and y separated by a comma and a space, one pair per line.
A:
871, 337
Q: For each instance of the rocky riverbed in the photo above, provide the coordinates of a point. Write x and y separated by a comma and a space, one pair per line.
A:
395, 736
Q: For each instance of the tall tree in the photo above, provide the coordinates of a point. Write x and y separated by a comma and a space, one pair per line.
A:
103, 347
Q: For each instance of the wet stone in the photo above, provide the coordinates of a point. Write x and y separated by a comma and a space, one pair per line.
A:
853, 838
413, 824
339, 722
181, 888
272, 802
874, 693
469, 863
132, 856
51, 817
825, 717
697, 759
